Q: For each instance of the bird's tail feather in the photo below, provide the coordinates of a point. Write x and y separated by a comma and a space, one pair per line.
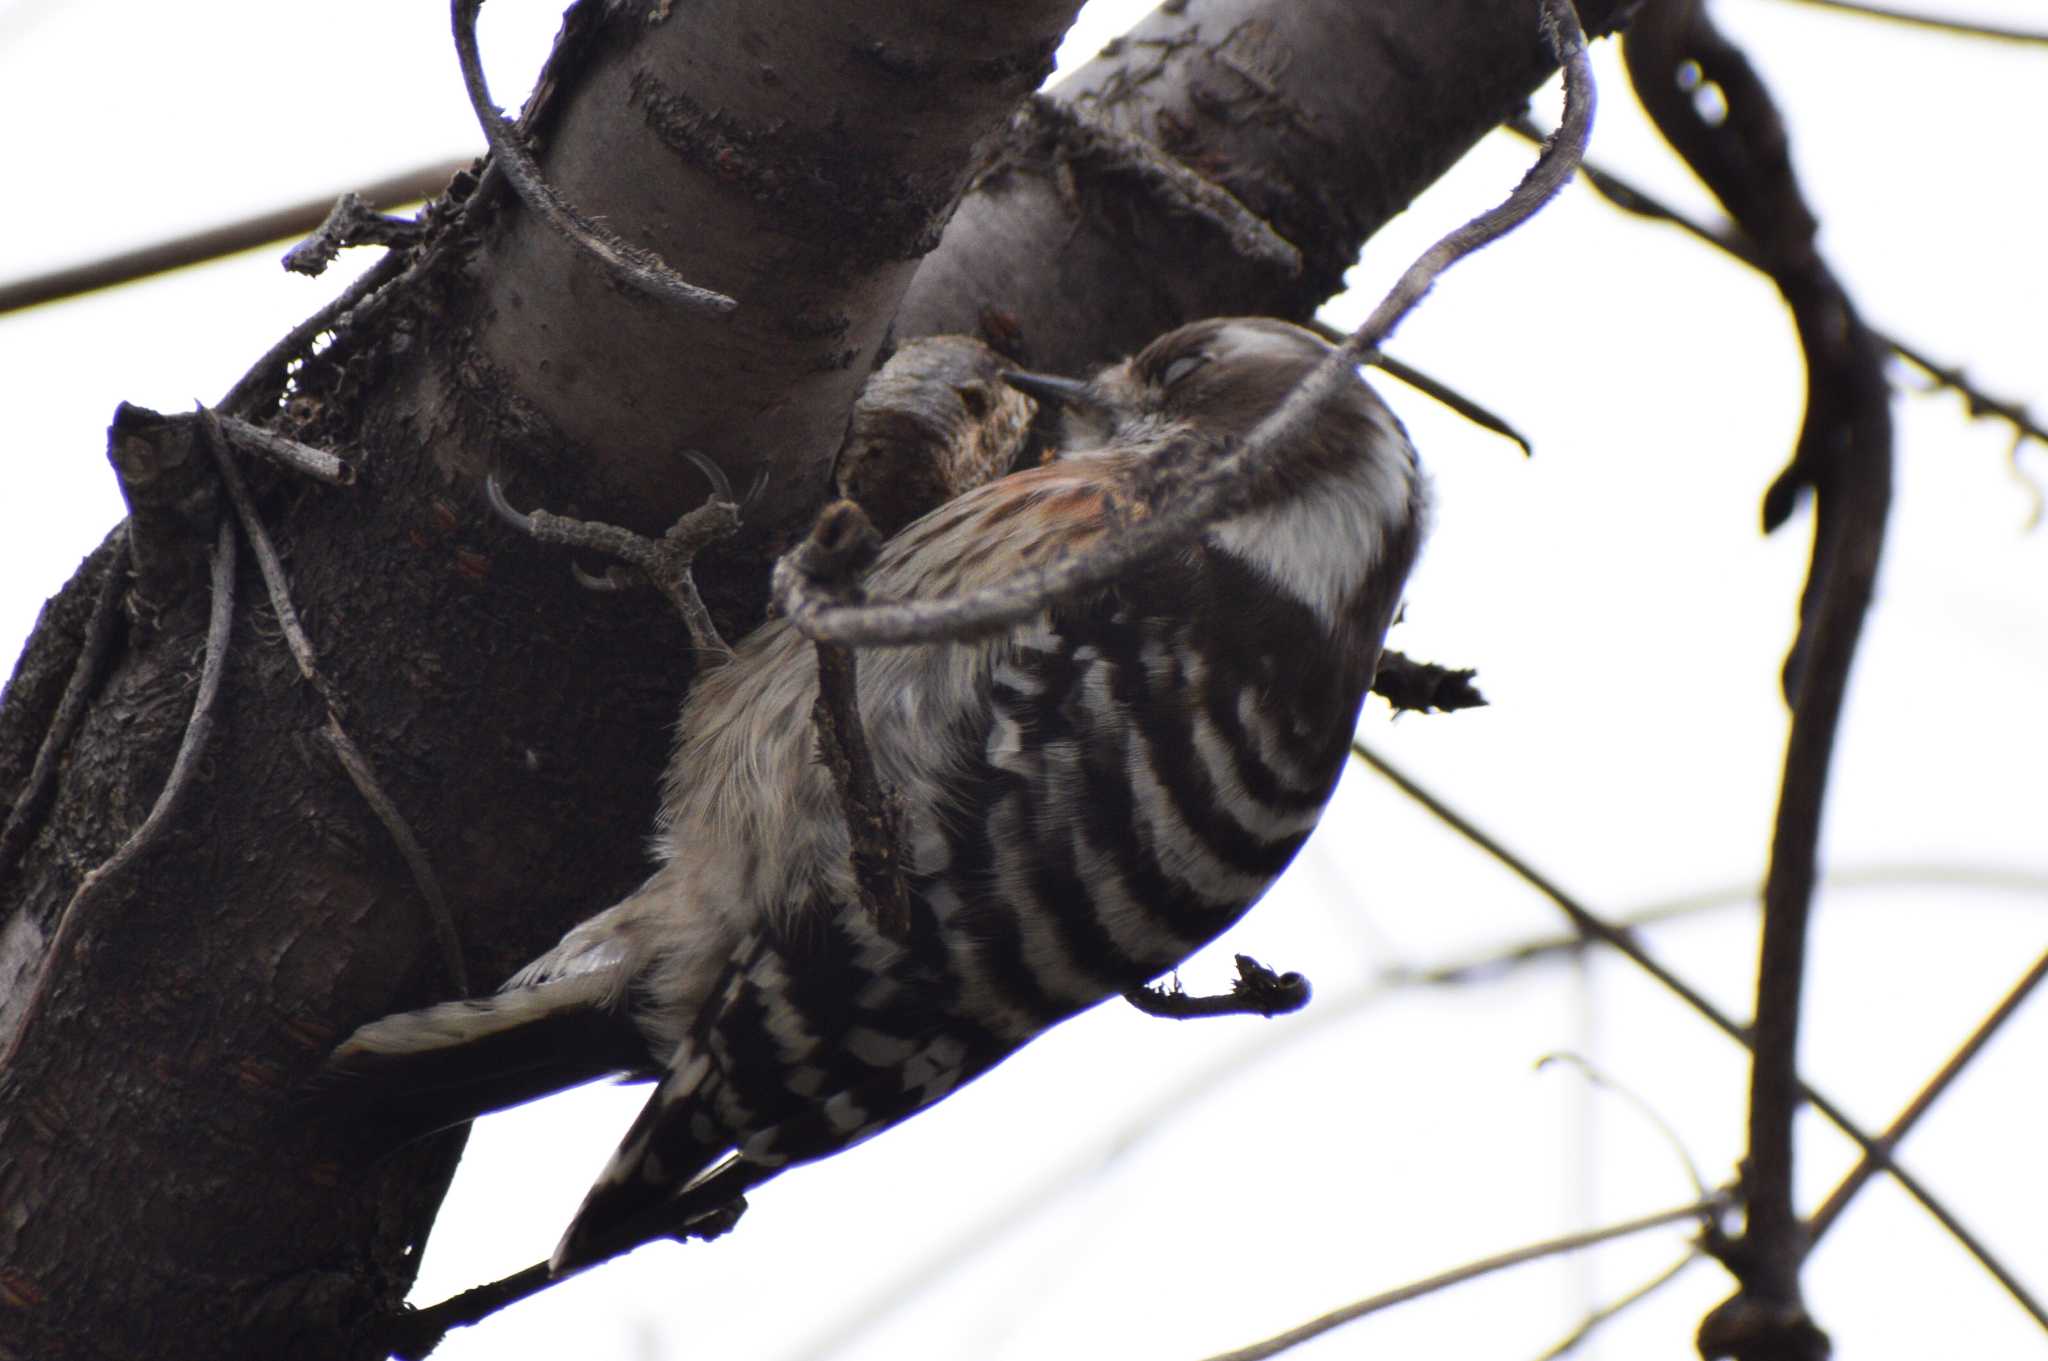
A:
422, 1071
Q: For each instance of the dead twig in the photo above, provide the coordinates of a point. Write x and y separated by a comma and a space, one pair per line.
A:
1231, 480
666, 561
300, 458
93, 648
1619, 1305
266, 378
214, 243
439, 917
1436, 390
838, 549
1424, 687
351, 222
1707, 1210
198, 730
1623, 942
1960, 27
1257, 991
631, 266
1867, 1166
1731, 241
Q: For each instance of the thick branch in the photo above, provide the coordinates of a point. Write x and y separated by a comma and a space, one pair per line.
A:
1844, 461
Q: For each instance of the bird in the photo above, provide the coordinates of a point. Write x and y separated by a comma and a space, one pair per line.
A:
1089, 797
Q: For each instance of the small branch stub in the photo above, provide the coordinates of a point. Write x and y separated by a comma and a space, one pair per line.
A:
1258, 991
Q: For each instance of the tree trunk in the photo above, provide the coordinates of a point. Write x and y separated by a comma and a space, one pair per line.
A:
164, 1193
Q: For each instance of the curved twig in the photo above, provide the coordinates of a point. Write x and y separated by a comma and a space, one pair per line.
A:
1730, 240
628, 264
1600, 1081
1844, 462
92, 651
666, 561
1570, 1342
439, 918
198, 729
1217, 489
1624, 943
1707, 1209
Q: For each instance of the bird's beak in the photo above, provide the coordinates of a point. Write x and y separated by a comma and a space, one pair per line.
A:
1047, 387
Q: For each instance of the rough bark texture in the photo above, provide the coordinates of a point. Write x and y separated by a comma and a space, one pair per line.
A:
161, 1192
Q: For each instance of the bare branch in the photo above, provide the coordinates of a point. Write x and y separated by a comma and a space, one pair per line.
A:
1213, 492
1625, 943
351, 222
1706, 1210
1867, 1166
198, 729
1959, 27
1843, 461
665, 561
628, 264
300, 458
830, 559
85, 668
266, 377
1731, 241
214, 243
1619, 1305
439, 918
1257, 991
925, 1273
1424, 687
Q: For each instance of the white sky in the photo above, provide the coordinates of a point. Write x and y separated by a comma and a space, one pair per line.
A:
1628, 623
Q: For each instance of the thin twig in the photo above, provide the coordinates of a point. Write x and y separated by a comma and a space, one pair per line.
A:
1866, 1167
628, 264
1157, 1115
709, 1209
1730, 240
279, 224
1257, 991
1960, 27
841, 545
439, 917
665, 561
1215, 491
300, 458
1623, 941
1432, 388
198, 729
1707, 1210
266, 377
351, 222
1620, 1304
1600, 1081
71, 706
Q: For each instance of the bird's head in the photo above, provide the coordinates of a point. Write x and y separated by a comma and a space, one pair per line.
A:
1221, 376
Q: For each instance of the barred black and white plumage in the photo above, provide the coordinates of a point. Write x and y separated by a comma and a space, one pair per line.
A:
1090, 797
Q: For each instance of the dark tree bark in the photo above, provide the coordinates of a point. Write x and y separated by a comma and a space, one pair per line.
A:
164, 1195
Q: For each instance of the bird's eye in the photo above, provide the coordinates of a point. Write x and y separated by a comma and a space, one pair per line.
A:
1181, 368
